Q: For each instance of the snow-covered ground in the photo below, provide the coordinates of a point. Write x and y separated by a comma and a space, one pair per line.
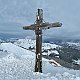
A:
77, 61
49, 52
72, 43
28, 43
18, 64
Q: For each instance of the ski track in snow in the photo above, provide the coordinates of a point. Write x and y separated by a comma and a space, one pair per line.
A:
18, 64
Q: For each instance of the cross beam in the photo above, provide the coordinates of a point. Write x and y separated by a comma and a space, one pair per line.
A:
38, 27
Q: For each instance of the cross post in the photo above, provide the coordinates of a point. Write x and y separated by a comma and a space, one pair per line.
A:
38, 27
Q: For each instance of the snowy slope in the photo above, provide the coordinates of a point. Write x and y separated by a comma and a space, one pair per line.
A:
19, 63
77, 61
50, 52
73, 43
27, 43
11, 48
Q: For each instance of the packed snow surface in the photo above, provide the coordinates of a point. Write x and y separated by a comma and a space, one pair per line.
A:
18, 64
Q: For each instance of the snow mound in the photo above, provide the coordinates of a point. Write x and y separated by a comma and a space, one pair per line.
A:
18, 51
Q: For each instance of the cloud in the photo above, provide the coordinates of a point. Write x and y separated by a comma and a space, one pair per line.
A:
17, 13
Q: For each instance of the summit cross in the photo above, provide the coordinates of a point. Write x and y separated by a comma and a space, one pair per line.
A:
38, 26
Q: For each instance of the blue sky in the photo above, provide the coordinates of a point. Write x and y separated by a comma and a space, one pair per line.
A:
16, 13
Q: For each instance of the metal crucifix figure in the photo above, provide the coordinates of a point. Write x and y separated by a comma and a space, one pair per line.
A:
38, 27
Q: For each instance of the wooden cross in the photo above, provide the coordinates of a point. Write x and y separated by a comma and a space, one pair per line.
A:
38, 27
